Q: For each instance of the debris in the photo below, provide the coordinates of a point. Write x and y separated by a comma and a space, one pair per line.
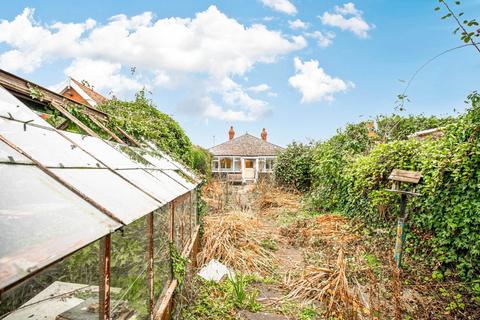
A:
215, 271
327, 228
329, 286
235, 239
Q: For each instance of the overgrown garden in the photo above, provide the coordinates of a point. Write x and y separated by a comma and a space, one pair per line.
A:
348, 174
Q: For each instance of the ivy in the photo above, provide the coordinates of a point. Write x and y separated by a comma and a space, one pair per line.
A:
179, 264
350, 174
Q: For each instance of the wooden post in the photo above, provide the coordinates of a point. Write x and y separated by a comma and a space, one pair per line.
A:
104, 278
172, 222
150, 273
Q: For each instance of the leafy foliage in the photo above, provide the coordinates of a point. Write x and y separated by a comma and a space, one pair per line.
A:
350, 175
292, 167
143, 120
222, 300
201, 160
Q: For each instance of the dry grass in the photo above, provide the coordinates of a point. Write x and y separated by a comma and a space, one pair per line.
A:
326, 229
234, 239
332, 288
271, 197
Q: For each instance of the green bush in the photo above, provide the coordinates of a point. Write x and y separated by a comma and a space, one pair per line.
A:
444, 220
201, 160
292, 167
141, 119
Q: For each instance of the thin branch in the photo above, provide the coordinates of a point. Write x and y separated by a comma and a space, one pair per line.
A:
459, 24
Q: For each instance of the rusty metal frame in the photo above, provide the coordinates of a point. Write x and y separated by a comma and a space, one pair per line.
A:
104, 278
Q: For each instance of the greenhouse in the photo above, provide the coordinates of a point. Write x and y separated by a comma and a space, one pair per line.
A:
85, 223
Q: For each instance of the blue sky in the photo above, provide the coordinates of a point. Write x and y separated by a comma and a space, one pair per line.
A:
300, 68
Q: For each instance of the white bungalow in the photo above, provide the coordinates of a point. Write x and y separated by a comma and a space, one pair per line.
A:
245, 158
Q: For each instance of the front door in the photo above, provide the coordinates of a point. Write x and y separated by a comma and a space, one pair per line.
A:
249, 169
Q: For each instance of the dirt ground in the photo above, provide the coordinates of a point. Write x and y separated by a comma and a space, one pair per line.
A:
304, 266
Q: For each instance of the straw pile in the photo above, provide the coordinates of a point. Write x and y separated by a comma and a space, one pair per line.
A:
329, 286
269, 196
235, 240
213, 194
328, 228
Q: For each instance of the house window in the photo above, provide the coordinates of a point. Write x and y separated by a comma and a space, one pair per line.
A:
226, 163
269, 165
261, 164
216, 165
249, 164
238, 164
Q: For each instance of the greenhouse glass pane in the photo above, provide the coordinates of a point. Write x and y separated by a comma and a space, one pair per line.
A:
7, 154
102, 151
159, 161
127, 202
46, 146
161, 190
181, 180
175, 189
41, 221
11, 106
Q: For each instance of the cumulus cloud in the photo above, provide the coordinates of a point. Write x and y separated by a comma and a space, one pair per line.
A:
349, 18
259, 88
283, 6
314, 84
297, 24
103, 75
324, 39
210, 44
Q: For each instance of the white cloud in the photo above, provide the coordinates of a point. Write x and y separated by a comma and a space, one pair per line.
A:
297, 24
347, 17
284, 6
314, 84
102, 75
259, 88
348, 8
324, 39
210, 44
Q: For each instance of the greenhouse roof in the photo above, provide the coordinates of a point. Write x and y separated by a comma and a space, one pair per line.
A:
62, 191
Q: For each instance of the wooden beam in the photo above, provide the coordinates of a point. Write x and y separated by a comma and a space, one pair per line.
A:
104, 278
72, 118
104, 128
129, 137
150, 273
23, 87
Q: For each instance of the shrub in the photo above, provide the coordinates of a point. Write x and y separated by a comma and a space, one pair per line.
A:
201, 160
292, 167
444, 220
141, 119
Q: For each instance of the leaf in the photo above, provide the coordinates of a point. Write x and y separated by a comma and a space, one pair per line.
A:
437, 8
446, 16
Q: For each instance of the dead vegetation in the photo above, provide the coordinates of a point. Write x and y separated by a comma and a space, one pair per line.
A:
332, 287
328, 229
235, 239
269, 198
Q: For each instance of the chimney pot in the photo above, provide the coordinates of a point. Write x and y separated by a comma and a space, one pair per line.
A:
264, 134
231, 133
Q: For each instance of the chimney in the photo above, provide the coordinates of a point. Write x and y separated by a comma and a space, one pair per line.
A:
231, 133
264, 134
